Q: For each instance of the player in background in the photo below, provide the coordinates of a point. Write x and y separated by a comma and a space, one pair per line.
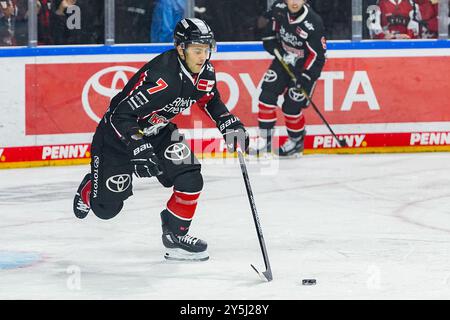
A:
298, 33
136, 135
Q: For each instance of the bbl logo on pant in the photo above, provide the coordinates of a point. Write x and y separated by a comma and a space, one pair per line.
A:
118, 183
177, 152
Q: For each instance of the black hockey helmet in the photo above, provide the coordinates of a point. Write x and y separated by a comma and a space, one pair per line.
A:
192, 30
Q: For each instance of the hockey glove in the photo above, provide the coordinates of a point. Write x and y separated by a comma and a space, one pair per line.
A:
270, 44
303, 81
143, 158
233, 132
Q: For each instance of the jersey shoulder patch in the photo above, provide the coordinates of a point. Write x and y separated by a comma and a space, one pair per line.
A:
209, 67
205, 85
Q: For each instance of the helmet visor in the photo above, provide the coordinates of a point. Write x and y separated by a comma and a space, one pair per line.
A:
210, 42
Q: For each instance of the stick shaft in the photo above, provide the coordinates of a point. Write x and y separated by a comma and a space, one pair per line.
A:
254, 213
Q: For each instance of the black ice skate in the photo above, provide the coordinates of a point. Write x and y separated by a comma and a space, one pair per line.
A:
183, 248
292, 147
80, 207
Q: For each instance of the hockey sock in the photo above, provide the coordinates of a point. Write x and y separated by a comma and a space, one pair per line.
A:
295, 125
267, 115
181, 208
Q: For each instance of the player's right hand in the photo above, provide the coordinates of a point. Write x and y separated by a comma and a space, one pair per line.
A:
143, 159
233, 132
303, 81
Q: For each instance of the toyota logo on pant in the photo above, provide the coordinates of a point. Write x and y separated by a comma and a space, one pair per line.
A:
177, 152
118, 183
270, 76
295, 95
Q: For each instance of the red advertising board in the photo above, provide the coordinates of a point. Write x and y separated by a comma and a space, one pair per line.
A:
71, 98
363, 93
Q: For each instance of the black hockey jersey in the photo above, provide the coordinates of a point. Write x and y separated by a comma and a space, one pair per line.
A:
302, 37
158, 92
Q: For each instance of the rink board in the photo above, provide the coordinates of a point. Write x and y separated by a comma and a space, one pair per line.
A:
382, 100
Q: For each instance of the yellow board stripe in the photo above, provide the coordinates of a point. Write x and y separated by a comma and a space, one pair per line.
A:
66, 162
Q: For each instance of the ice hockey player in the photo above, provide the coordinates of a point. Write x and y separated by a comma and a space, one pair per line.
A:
136, 136
297, 32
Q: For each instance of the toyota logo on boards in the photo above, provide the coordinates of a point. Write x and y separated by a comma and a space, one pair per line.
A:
118, 183
105, 83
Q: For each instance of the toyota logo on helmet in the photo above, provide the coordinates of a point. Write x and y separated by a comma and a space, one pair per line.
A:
177, 152
107, 83
118, 183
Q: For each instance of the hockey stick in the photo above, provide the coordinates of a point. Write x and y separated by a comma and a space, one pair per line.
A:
266, 275
342, 142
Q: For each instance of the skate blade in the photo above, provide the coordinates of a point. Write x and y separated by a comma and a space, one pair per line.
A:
183, 255
292, 156
259, 156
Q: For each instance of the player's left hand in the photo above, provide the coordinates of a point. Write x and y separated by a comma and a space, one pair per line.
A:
233, 132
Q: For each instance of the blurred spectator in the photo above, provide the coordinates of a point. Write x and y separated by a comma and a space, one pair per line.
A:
336, 16
233, 20
43, 11
44, 8
371, 21
21, 30
166, 14
63, 26
132, 20
402, 19
392, 19
426, 13
8, 12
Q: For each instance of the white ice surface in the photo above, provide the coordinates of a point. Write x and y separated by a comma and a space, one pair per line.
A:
364, 226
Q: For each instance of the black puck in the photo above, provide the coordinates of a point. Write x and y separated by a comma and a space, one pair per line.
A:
309, 282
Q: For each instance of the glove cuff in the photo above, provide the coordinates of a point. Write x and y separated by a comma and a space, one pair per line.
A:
306, 76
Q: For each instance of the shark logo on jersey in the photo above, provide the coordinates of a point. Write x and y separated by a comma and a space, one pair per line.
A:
157, 122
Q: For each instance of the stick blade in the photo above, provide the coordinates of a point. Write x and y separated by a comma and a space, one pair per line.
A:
265, 276
343, 143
